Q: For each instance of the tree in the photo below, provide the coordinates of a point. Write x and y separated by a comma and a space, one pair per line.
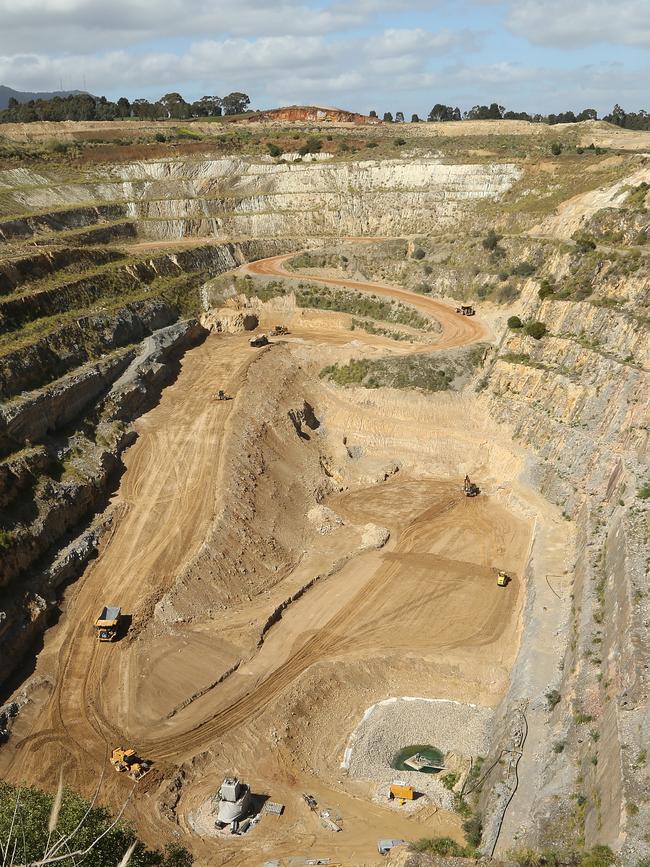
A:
399, 117
515, 322
388, 117
556, 148
373, 113
235, 103
67, 830
174, 106
415, 118
207, 106
588, 114
123, 107
441, 112
617, 116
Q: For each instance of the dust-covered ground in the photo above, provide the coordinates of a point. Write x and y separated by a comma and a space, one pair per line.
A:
287, 558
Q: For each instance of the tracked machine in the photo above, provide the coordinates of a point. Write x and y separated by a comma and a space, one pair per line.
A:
469, 488
128, 762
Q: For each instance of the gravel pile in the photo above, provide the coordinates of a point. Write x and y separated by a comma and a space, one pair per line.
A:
391, 725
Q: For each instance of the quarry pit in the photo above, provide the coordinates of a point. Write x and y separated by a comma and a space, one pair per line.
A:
301, 552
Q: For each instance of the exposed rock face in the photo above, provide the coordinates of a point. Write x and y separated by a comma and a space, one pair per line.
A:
237, 198
225, 319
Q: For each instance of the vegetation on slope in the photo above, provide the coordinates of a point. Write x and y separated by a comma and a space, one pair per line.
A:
33, 823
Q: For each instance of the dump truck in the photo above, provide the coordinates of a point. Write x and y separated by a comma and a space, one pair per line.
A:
128, 762
279, 330
259, 340
503, 579
469, 488
107, 624
400, 791
465, 310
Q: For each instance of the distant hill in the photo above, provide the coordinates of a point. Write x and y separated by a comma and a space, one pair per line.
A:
24, 96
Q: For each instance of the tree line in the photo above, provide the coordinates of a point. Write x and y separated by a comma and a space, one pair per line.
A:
83, 106
494, 111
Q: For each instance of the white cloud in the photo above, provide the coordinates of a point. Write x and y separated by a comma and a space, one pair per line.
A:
581, 22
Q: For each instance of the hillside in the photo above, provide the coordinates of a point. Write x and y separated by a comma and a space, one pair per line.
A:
7, 93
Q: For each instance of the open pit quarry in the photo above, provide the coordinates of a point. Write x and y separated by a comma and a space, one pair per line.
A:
305, 589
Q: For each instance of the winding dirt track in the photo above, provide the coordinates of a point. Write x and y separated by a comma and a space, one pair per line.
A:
168, 496
456, 330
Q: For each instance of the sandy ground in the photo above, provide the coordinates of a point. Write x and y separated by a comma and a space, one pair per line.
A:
422, 616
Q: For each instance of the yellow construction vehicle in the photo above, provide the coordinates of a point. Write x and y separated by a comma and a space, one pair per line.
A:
108, 623
502, 579
128, 762
279, 330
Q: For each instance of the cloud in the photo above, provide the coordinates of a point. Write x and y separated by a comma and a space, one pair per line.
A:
30, 25
577, 23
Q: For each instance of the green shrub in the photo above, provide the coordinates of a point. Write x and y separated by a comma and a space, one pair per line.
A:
273, 149
643, 493
440, 846
473, 829
553, 698
523, 269
515, 322
524, 857
311, 146
558, 747
556, 148
598, 856
419, 253
159, 136
449, 780
584, 244
491, 240
545, 290
399, 142
535, 330
506, 294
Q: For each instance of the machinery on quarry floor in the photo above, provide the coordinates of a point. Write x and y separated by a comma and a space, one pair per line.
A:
469, 488
503, 579
222, 395
279, 330
128, 762
259, 340
233, 802
466, 310
107, 623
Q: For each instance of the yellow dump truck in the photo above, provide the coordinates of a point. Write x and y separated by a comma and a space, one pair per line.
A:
502, 579
107, 624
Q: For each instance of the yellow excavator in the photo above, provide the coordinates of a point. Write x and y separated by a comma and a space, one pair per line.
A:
502, 579
129, 763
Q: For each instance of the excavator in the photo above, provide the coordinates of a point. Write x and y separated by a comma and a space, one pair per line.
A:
469, 488
129, 763
279, 330
503, 579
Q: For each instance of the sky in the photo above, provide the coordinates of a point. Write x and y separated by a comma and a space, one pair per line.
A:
387, 55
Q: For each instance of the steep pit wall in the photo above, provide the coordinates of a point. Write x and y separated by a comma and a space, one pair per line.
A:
578, 399
243, 198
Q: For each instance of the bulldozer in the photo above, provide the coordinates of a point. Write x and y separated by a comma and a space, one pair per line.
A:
466, 310
503, 579
279, 330
469, 488
129, 763
221, 395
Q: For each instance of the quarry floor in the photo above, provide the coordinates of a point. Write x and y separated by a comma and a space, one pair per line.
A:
421, 616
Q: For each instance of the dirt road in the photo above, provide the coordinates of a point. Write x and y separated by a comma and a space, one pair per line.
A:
457, 330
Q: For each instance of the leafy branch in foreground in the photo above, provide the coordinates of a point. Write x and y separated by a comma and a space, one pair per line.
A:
38, 829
